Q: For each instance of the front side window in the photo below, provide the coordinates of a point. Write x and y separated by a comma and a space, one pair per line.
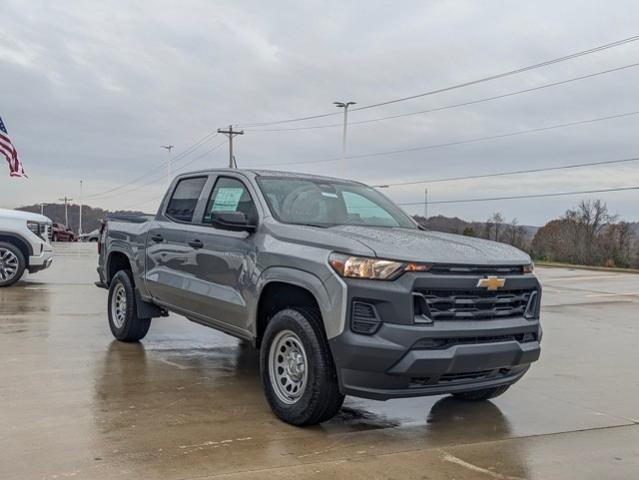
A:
230, 195
185, 198
326, 202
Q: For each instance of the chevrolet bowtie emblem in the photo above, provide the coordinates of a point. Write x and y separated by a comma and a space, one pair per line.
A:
491, 283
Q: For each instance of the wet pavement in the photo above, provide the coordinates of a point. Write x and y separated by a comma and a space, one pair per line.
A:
187, 401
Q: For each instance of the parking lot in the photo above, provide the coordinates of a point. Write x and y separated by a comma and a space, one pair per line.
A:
187, 401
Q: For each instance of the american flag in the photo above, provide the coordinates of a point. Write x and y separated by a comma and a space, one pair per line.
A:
10, 153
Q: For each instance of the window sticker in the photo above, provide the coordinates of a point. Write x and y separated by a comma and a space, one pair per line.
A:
227, 199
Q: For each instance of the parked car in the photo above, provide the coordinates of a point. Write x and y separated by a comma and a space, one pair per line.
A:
342, 292
24, 245
91, 236
61, 233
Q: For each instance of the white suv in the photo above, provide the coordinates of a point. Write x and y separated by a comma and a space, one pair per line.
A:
24, 244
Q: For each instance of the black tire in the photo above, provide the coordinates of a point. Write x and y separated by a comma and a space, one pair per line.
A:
125, 326
321, 398
481, 395
12, 264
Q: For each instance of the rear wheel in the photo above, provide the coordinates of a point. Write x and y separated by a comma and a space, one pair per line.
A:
124, 322
12, 264
481, 395
297, 369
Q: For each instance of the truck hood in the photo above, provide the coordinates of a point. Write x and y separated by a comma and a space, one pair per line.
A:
432, 247
20, 215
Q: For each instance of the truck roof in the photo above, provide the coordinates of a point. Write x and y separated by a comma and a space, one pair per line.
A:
272, 173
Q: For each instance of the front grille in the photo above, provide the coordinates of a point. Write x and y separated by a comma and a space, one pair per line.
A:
456, 377
475, 304
463, 377
476, 270
443, 343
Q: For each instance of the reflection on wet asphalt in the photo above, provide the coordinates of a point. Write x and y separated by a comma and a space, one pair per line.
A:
187, 402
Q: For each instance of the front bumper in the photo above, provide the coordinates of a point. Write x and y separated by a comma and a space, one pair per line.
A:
41, 259
462, 355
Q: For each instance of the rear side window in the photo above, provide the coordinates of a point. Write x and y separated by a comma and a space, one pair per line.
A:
185, 198
230, 195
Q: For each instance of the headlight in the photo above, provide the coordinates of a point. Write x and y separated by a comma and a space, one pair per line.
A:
371, 268
37, 228
530, 268
34, 227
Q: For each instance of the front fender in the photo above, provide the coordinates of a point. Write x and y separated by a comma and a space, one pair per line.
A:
330, 296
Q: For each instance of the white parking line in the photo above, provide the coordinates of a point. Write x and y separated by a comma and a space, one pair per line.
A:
626, 294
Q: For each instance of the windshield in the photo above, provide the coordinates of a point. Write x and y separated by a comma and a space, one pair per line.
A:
327, 203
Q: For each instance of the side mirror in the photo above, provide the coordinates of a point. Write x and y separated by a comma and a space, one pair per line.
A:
235, 221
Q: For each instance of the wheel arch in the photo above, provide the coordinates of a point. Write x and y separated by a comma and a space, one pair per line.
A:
281, 287
20, 243
116, 261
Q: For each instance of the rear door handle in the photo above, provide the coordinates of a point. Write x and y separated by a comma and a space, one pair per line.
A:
197, 244
157, 238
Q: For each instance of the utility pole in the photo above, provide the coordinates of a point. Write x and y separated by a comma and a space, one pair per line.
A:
345, 106
80, 220
168, 165
425, 204
42, 209
66, 201
230, 133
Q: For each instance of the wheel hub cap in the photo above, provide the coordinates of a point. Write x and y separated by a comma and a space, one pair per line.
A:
287, 367
8, 264
118, 306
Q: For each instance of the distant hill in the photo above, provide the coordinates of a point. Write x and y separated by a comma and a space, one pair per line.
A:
90, 216
441, 223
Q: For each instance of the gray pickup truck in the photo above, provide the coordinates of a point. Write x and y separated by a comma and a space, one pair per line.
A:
342, 292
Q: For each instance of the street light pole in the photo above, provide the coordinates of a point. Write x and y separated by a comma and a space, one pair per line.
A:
345, 106
425, 205
168, 165
80, 221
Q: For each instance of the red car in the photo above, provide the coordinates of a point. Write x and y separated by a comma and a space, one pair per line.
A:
63, 234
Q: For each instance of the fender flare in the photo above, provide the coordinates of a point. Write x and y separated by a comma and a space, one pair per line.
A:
330, 306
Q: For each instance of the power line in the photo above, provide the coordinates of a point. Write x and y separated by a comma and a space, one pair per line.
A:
506, 74
517, 197
503, 174
188, 151
456, 105
463, 142
156, 197
456, 86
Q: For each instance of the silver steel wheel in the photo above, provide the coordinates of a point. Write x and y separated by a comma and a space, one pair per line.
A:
9, 264
287, 367
118, 306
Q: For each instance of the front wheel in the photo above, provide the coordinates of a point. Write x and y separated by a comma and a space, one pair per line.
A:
124, 322
297, 369
12, 264
481, 395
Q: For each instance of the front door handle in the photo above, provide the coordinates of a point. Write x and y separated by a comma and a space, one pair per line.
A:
157, 238
197, 244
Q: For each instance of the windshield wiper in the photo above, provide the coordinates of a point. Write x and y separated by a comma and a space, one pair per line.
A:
318, 225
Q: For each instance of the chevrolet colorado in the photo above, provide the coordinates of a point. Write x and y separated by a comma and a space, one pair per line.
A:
342, 292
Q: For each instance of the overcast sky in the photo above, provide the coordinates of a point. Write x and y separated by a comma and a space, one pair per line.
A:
91, 90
